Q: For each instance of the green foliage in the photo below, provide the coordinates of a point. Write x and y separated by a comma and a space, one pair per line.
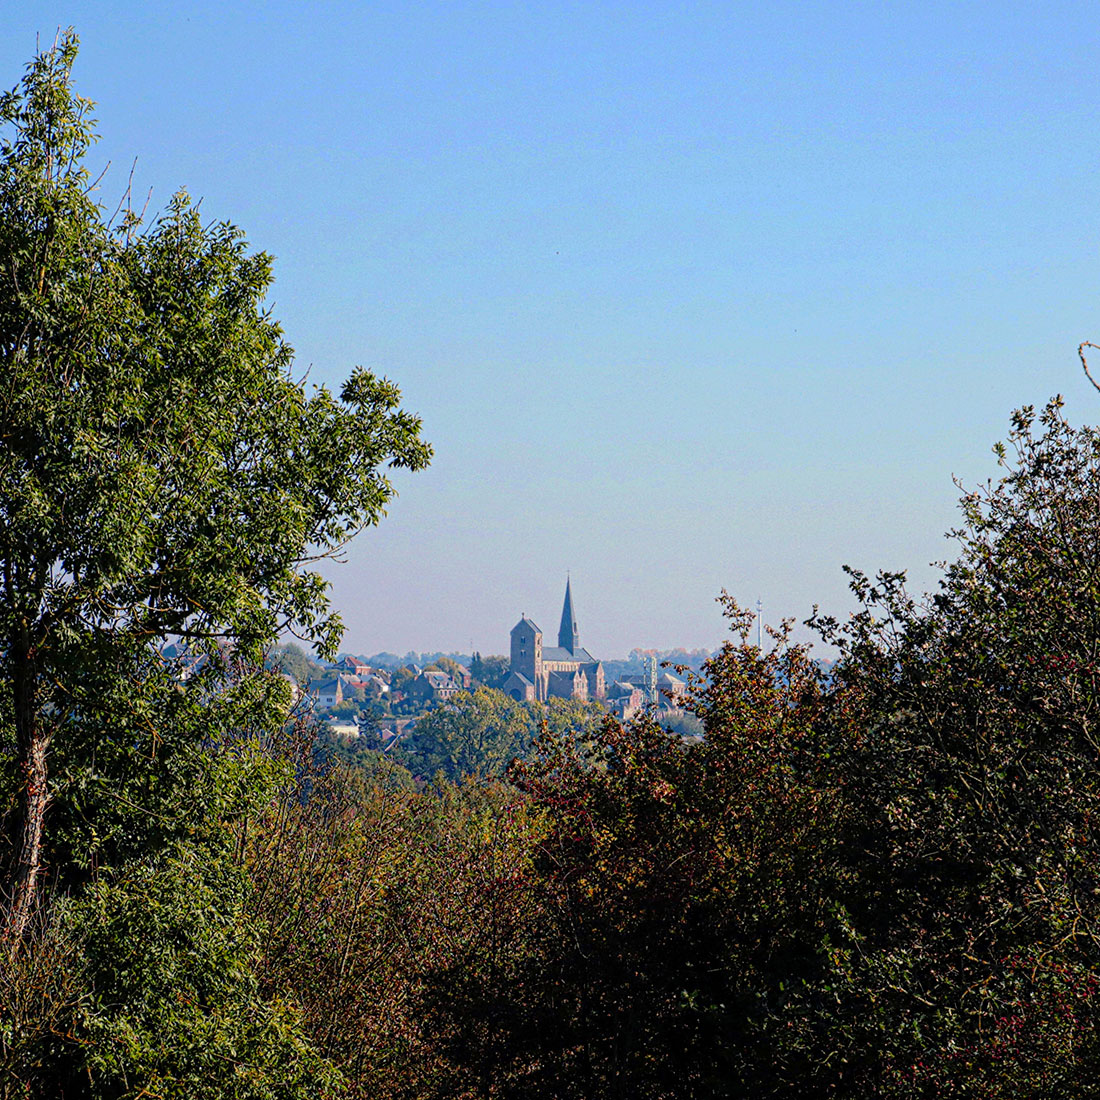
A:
292, 660
401, 678
347, 709
480, 733
490, 672
161, 474
976, 779
569, 719
148, 761
163, 477
174, 1008
473, 733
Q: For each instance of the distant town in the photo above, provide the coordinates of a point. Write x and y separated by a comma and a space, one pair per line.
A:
376, 699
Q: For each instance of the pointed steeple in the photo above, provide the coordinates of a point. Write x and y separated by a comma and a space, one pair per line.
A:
568, 635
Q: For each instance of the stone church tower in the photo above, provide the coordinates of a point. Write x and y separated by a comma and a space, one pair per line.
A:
527, 649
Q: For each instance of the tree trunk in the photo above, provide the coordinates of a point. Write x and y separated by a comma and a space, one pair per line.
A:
33, 744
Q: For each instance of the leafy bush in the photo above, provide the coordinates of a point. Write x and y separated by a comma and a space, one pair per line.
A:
168, 956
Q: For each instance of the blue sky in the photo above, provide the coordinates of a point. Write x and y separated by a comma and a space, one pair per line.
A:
689, 296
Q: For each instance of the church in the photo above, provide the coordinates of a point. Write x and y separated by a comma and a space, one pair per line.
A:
564, 671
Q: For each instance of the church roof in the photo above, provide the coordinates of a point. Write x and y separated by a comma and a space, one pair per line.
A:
619, 689
568, 635
558, 653
526, 622
562, 677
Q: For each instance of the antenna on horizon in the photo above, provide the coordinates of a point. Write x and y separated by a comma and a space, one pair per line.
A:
759, 625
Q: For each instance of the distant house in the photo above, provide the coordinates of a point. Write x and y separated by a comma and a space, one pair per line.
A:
351, 682
375, 687
624, 700
329, 693
432, 686
671, 690
371, 684
354, 666
349, 731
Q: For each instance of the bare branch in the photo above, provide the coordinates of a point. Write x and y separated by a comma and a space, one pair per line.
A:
1085, 364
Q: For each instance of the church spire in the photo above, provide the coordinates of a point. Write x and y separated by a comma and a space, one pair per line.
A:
568, 635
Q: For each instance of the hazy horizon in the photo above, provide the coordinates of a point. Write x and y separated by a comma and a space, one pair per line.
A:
689, 298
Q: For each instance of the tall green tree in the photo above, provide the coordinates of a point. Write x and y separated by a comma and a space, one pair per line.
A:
162, 474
